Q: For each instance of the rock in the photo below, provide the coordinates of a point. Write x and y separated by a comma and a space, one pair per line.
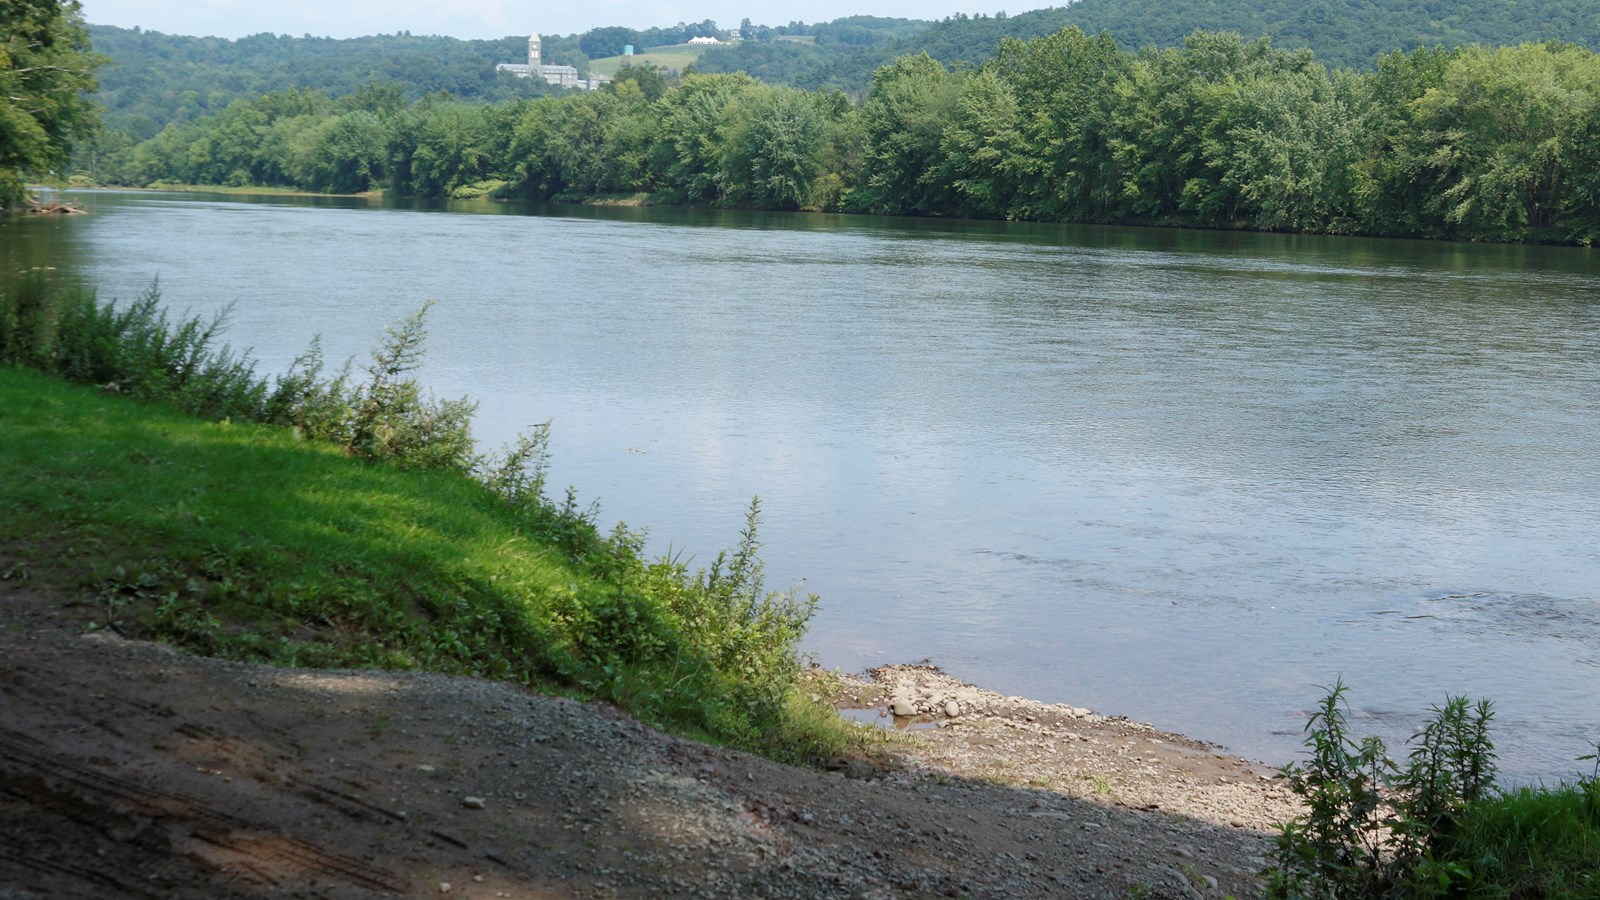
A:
472, 802
904, 707
952, 709
444, 887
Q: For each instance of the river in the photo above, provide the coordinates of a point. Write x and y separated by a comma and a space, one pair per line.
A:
1181, 476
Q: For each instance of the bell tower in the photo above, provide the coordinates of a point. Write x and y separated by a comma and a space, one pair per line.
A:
533, 54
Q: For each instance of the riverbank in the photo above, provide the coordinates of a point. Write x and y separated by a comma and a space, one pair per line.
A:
132, 769
168, 187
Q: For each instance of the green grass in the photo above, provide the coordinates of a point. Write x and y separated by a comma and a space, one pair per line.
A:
320, 555
1531, 842
675, 57
245, 541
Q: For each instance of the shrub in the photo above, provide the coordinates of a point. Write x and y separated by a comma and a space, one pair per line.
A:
394, 419
1437, 827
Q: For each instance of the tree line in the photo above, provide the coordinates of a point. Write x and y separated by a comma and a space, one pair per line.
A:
1471, 143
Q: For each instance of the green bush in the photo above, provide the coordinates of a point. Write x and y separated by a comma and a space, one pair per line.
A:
1436, 827
137, 350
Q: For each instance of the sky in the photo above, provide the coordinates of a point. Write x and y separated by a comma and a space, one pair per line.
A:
490, 18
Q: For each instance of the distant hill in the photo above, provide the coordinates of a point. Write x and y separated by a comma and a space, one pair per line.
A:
796, 53
1342, 33
157, 78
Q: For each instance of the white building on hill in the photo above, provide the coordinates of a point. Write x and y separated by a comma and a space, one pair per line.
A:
564, 76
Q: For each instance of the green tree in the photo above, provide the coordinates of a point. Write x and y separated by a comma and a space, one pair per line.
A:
1063, 84
583, 140
652, 83
577, 145
904, 118
1279, 150
598, 43
1503, 132
1393, 179
344, 155
440, 147
251, 141
1174, 111
980, 147
773, 147
46, 69
688, 157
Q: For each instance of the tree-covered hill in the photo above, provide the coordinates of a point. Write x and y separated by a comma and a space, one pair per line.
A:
1342, 33
157, 78
1345, 33
795, 53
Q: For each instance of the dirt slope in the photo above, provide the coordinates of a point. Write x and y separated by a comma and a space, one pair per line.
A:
130, 770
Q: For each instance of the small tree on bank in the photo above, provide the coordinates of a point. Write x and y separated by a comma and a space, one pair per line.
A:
46, 75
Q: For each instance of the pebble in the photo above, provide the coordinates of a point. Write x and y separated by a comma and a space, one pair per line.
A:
952, 709
444, 887
472, 802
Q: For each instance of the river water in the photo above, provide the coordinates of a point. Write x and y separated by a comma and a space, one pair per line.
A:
1181, 476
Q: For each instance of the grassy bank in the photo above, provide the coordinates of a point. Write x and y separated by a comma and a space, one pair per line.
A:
329, 521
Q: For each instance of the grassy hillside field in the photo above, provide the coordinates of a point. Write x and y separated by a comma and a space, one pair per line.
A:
674, 58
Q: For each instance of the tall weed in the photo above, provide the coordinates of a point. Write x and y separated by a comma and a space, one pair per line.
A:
1435, 827
395, 419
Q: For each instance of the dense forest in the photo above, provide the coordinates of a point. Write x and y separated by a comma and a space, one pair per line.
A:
1342, 33
1474, 143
